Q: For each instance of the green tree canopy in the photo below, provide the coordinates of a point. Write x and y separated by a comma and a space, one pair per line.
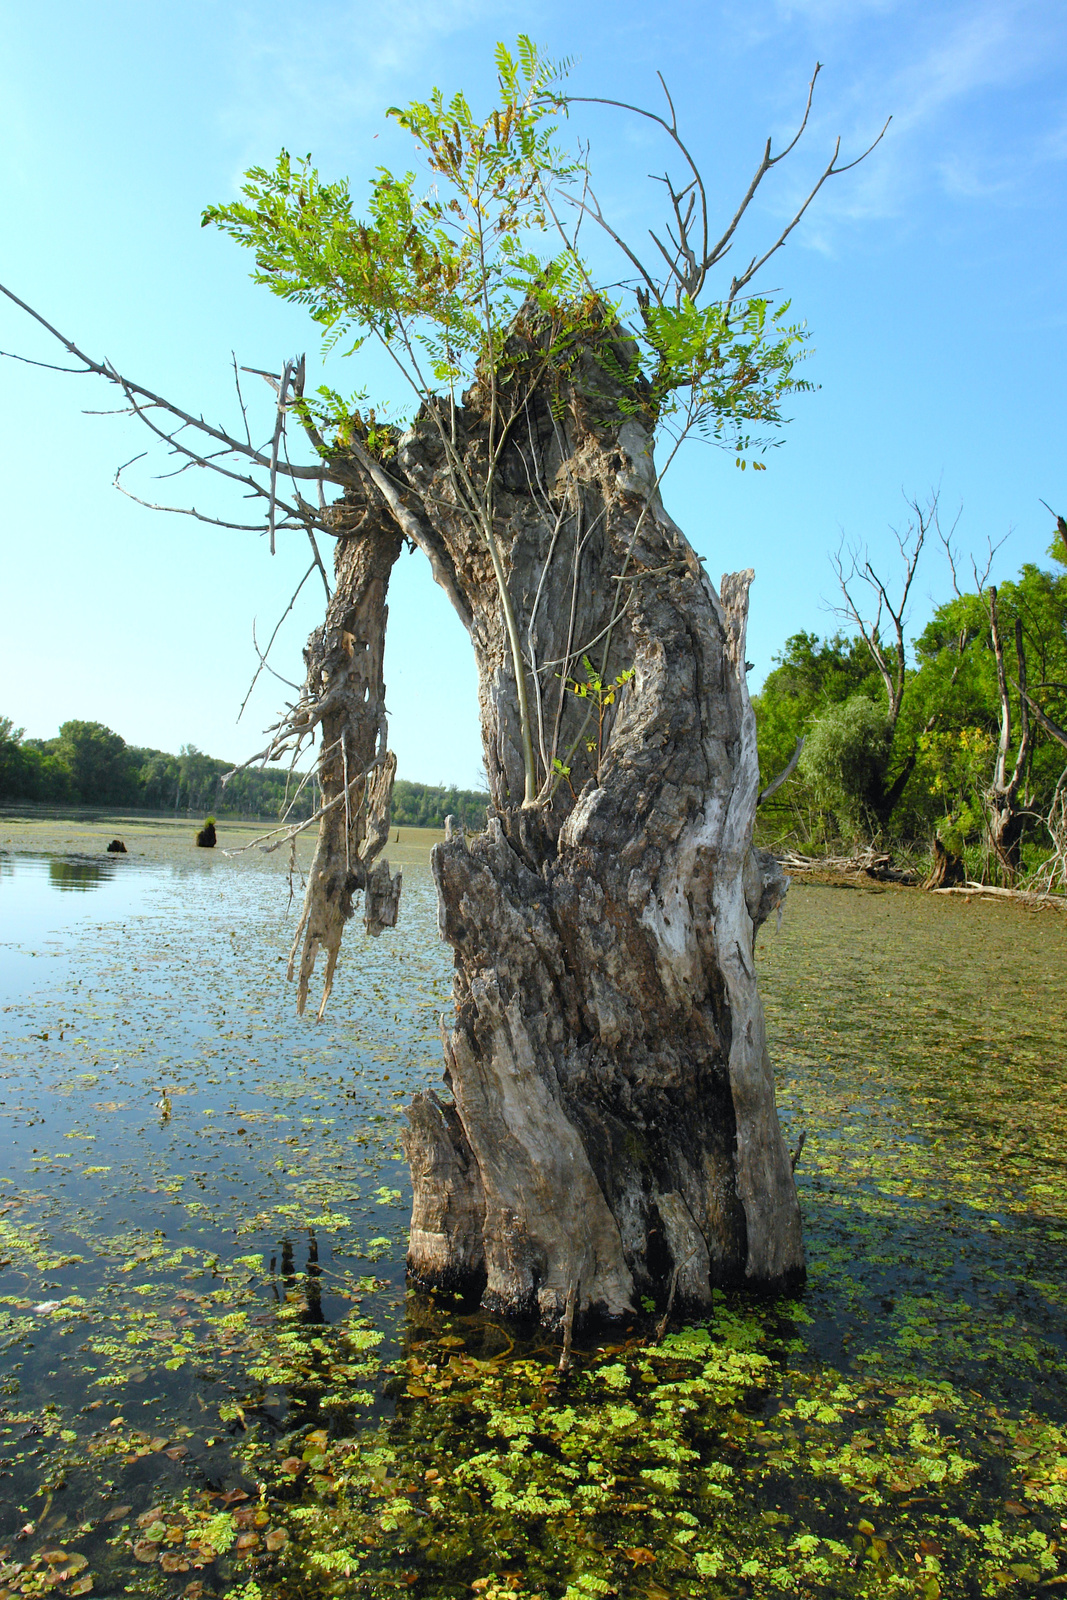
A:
101, 766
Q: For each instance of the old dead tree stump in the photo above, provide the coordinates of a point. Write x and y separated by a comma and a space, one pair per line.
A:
608, 1129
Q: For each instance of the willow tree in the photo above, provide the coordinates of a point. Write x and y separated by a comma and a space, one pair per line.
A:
609, 1129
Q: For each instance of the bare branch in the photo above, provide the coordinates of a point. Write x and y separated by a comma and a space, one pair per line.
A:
333, 473
181, 511
263, 654
1005, 788
697, 264
832, 170
786, 773
279, 427
891, 667
309, 822
240, 397
289, 684
593, 210
196, 459
1050, 727
49, 366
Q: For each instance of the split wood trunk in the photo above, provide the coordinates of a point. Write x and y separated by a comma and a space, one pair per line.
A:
609, 1130
947, 871
344, 696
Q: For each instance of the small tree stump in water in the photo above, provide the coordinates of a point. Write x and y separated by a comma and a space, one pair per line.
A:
947, 872
206, 838
117, 848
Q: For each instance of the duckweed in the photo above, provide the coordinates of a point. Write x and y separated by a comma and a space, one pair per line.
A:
214, 1383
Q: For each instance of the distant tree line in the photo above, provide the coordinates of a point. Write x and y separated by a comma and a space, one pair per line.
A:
959, 741
90, 765
421, 805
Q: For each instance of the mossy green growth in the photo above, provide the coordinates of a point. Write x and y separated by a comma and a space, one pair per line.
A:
699, 1466
900, 1430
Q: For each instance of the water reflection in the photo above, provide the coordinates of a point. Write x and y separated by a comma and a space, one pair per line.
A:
79, 874
311, 1285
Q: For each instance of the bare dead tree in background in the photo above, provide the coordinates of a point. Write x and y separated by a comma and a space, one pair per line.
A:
881, 613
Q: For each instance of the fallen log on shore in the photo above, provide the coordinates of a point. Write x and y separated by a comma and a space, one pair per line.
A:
1024, 896
876, 864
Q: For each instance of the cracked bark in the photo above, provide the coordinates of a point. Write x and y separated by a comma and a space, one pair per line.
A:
612, 1114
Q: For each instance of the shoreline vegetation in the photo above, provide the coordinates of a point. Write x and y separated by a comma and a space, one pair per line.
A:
949, 751
89, 766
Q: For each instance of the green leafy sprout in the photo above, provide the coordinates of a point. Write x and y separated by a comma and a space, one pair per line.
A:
475, 278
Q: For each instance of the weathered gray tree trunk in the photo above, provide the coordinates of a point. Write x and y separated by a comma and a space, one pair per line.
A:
344, 699
1007, 806
612, 1130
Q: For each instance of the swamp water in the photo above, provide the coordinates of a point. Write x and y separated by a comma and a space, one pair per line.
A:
214, 1383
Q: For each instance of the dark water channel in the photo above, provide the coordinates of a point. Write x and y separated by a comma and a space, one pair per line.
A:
203, 1318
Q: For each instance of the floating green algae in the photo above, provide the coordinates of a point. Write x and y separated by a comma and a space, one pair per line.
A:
206, 1325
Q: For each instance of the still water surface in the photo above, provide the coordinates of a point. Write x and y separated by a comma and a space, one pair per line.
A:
150, 1256
130, 1224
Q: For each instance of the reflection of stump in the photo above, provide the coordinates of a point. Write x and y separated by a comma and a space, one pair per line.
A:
947, 872
117, 848
206, 837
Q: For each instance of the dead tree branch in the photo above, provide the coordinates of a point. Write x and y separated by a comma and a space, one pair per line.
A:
692, 254
891, 662
785, 774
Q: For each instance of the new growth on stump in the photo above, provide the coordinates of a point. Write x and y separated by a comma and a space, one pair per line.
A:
608, 1132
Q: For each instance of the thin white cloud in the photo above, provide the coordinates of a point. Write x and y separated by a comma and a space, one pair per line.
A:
832, 11
944, 74
990, 46
325, 82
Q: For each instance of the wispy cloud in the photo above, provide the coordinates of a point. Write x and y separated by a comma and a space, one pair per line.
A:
991, 45
952, 76
323, 81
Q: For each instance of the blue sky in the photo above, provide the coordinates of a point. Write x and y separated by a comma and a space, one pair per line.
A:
931, 279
